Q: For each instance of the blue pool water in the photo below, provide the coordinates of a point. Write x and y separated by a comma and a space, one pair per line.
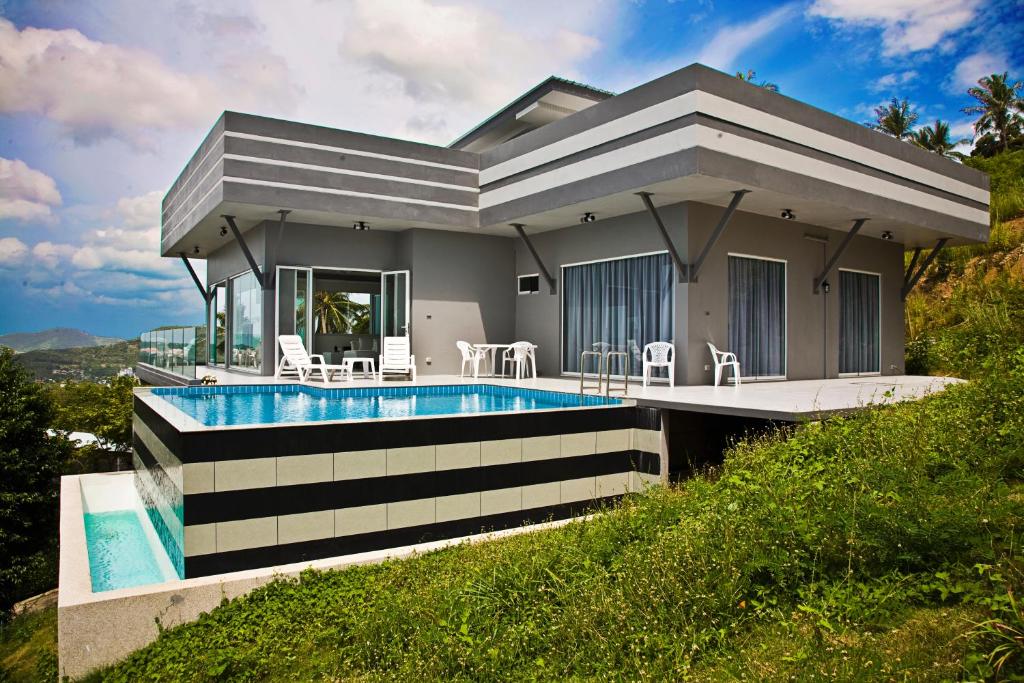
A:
291, 403
119, 554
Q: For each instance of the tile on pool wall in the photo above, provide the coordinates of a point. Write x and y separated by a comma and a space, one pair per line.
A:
360, 464
574, 490
613, 440
542, 448
542, 495
360, 520
200, 539
246, 533
251, 473
456, 456
410, 460
306, 526
501, 452
497, 501
411, 513
584, 443
305, 469
459, 506
198, 477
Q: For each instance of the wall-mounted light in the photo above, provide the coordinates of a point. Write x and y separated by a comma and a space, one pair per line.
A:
588, 218
788, 214
360, 225
825, 286
195, 250
223, 231
887, 235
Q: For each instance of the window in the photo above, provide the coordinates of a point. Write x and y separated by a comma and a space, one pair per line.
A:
859, 323
529, 284
246, 323
757, 315
218, 324
616, 305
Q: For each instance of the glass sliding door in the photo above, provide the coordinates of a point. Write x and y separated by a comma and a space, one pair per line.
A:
246, 323
394, 317
757, 316
860, 329
218, 324
616, 305
294, 292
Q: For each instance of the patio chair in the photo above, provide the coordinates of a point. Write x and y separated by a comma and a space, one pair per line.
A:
660, 355
723, 359
294, 357
518, 355
471, 355
396, 359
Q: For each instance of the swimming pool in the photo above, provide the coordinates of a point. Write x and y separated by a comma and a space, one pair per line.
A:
292, 403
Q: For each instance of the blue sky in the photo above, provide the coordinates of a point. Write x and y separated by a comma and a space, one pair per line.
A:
102, 103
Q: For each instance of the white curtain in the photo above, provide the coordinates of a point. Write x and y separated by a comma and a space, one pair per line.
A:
618, 305
757, 315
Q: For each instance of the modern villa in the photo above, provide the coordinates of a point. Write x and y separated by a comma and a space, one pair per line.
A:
726, 224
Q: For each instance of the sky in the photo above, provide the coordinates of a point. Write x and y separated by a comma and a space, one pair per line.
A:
102, 103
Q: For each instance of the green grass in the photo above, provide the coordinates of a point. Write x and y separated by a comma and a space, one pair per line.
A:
28, 648
850, 549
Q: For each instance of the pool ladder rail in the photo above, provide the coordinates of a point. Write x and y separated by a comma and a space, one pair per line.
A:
604, 373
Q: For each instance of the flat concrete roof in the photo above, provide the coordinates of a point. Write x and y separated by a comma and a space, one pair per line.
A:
790, 401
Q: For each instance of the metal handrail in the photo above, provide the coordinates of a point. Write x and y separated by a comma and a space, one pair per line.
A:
608, 372
583, 357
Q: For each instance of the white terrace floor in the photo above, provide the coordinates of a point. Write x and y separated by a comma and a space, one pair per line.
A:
786, 400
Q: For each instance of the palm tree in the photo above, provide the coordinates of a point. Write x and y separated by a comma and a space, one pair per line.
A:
896, 119
999, 105
751, 75
336, 313
935, 138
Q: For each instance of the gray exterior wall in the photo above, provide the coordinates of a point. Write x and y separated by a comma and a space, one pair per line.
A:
538, 316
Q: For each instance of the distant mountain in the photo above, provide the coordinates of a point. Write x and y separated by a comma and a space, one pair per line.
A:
56, 338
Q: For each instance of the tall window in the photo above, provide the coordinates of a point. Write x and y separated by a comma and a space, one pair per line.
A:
218, 324
859, 323
246, 323
757, 315
616, 305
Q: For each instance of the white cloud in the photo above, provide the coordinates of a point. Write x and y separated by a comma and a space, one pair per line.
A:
50, 255
893, 80
450, 53
141, 211
12, 252
732, 41
97, 90
973, 67
25, 193
907, 25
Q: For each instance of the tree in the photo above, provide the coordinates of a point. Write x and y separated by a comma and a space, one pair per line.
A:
896, 119
750, 77
336, 313
1000, 106
30, 466
935, 138
102, 409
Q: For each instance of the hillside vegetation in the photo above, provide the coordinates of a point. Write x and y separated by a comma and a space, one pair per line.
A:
55, 338
84, 363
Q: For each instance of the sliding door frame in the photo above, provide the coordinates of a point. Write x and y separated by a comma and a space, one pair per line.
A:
839, 337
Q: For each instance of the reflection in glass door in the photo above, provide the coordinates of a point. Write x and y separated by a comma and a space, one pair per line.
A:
394, 287
294, 293
217, 325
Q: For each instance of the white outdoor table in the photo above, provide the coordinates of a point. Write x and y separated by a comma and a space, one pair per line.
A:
492, 349
367, 364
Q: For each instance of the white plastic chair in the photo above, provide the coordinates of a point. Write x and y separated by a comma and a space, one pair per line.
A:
396, 359
294, 357
471, 356
723, 359
518, 355
660, 355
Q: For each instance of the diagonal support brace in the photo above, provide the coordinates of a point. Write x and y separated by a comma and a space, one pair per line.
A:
682, 269
737, 197
924, 266
910, 269
536, 257
195, 278
260, 277
857, 224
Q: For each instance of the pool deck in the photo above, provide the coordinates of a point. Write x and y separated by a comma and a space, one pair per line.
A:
791, 400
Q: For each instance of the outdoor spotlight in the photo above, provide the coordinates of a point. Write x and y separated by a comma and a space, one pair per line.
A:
588, 218
788, 214
887, 235
223, 231
825, 286
360, 225
195, 250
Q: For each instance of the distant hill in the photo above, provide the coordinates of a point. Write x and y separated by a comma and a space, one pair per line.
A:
92, 363
56, 338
